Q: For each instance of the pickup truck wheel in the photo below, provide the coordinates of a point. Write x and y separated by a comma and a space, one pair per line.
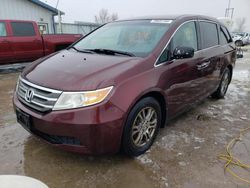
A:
142, 126
225, 81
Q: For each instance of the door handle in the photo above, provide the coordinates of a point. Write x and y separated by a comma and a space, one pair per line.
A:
203, 65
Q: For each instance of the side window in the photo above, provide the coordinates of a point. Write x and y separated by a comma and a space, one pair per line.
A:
22, 29
224, 33
223, 38
209, 34
164, 56
186, 36
3, 32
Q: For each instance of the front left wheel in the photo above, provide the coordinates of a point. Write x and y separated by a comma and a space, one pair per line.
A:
142, 126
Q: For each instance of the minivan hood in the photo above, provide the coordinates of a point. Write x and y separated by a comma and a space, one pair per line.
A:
74, 71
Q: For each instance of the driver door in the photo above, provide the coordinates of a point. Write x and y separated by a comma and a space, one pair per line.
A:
182, 79
6, 52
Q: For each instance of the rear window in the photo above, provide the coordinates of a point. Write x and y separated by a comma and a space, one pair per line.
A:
3, 32
22, 29
209, 34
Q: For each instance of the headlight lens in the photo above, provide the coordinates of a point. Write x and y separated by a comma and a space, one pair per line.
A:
71, 100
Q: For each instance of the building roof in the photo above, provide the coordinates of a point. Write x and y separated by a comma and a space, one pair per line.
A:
46, 6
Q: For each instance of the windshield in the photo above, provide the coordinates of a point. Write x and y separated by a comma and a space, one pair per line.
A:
240, 34
138, 37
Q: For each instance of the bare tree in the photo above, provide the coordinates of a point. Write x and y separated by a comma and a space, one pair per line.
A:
114, 17
104, 17
240, 24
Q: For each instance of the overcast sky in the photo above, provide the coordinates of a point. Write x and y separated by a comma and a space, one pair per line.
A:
84, 10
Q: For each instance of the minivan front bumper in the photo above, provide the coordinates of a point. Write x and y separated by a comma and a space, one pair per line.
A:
92, 130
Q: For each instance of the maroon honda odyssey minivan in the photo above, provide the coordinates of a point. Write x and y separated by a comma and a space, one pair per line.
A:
117, 86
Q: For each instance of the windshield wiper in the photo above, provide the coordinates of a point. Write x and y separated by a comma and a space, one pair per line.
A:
82, 51
111, 52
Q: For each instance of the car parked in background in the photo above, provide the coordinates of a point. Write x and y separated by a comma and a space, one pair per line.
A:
21, 41
241, 38
117, 86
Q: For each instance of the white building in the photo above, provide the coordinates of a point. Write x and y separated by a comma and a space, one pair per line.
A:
77, 27
43, 14
34, 10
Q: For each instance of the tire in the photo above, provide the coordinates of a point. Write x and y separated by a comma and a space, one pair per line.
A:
224, 83
132, 143
239, 43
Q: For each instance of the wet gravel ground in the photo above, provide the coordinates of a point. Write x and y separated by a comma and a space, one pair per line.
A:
183, 156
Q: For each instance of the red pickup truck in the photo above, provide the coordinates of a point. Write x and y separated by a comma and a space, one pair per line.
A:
21, 41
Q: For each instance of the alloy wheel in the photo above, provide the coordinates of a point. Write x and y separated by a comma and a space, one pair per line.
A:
225, 83
144, 126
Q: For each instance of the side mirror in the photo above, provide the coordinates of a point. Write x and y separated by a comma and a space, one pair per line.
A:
183, 52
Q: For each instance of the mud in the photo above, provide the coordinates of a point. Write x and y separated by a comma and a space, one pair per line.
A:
183, 156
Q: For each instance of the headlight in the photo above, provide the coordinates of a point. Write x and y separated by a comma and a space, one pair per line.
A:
71, 100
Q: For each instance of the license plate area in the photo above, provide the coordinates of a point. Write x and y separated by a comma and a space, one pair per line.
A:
23, 119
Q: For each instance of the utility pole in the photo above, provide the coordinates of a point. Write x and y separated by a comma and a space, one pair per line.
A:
229, 3
59, 18
229, 11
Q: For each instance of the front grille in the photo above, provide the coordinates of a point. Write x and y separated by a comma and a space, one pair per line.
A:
40, 99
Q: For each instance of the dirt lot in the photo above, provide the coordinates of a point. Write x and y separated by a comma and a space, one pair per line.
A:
184, 155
